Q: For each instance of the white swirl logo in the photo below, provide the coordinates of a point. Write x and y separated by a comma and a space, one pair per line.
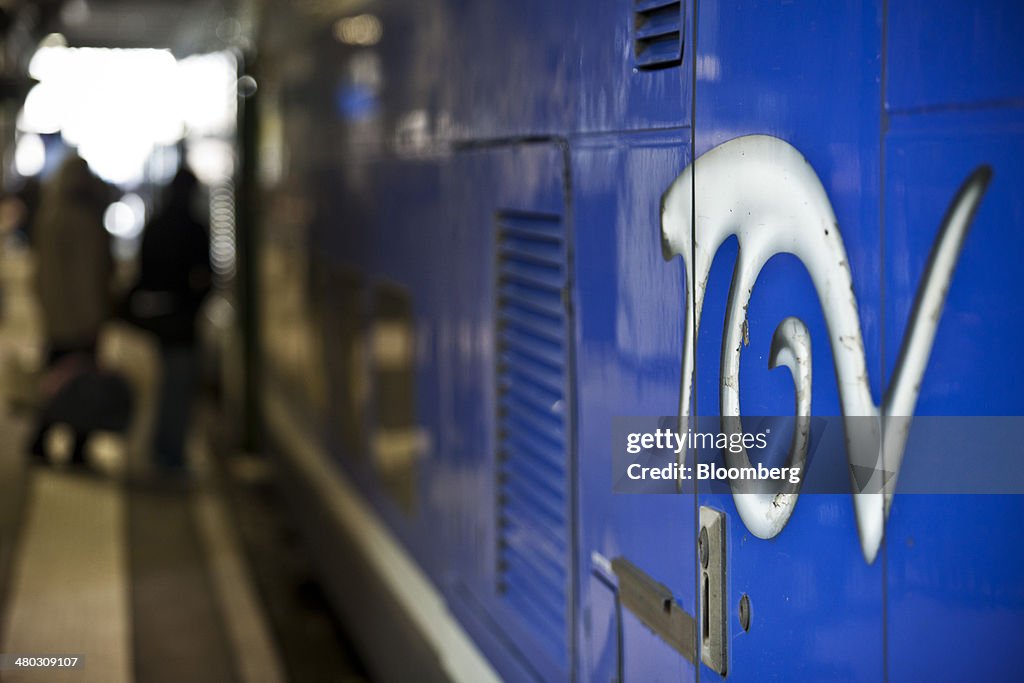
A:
761, 190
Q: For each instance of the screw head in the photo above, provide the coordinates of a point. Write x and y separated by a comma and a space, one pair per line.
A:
745, 612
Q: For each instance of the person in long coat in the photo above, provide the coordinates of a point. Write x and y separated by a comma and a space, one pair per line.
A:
74, 270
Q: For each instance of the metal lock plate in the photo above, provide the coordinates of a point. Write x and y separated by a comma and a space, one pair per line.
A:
713, 615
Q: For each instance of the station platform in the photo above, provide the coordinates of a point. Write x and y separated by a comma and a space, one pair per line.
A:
151, 583
142, 580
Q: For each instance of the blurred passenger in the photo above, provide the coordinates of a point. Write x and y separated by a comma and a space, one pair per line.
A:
74, 277
18, 210
174, 278
29, 197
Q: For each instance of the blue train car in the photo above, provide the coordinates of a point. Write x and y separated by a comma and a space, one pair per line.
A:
491, 229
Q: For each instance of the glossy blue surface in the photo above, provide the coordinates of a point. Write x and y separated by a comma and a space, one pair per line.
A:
817, 606
947, 54
470, 109
954, 562
629, 336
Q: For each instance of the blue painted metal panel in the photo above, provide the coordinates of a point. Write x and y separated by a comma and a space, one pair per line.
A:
629, 340
354, 263
613, 93
425, 213
951, 54
511, 72
486, 191
515, 69
927, 159
954, 563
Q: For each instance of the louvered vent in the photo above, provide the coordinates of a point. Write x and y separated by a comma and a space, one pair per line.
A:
533, 425
657, 34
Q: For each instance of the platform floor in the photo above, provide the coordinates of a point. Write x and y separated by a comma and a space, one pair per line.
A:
148, 582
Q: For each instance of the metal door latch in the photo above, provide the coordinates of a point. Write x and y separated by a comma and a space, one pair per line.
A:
713, 616
654, 605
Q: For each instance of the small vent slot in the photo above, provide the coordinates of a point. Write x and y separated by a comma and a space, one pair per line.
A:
657, 34
532, 339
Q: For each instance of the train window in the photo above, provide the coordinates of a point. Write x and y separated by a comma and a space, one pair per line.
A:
344, 320
397, 441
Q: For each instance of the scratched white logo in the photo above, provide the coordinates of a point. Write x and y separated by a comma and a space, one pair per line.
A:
761, 190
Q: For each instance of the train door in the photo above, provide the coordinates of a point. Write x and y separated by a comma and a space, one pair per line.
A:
635, 616
802, 80
636, 550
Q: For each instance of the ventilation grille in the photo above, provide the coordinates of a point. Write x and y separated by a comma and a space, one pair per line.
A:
533, 425
657, 34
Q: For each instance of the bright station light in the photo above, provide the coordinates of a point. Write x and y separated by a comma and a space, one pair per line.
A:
117, 106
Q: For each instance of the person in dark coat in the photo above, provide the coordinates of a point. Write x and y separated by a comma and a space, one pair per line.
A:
174, 278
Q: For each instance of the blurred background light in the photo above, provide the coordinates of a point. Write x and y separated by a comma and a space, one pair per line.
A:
211, 159
247, 86
29, 155
125, 217
163, 164
363, 29
120, 108
75, 12
42, 110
